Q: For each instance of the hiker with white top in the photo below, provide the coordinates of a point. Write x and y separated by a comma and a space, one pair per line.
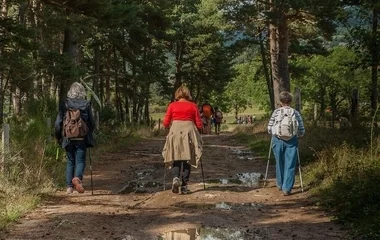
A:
285, 126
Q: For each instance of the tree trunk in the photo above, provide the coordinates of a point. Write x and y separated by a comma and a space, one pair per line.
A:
375, 61
16, 101
267, 72
178, 67
69, 49
4, 13
108, 77
354, 103
3, 86
96, 79
126, 94
279, 47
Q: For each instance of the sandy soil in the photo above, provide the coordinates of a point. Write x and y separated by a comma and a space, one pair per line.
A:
129, 202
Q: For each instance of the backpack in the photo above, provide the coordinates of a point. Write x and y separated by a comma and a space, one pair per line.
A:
73, 124
218, 116
286, 124
206, 110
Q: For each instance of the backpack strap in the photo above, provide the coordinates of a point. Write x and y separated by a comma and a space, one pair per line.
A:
282, 115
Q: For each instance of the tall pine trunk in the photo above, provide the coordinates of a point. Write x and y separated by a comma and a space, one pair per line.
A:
178, 67
267, 72
4, 11
70, 50
279, 48
375, 61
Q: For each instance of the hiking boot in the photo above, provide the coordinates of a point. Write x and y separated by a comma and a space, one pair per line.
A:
184, 190
69, 190
285, 193
176, 185
78, 185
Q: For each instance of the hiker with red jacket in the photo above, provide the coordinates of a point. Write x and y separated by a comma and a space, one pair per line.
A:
183, 143
207, 112
74, 128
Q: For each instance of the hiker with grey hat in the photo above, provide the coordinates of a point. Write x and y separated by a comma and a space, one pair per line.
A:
74, 128
285, 126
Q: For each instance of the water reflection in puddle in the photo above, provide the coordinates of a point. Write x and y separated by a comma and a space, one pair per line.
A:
249, 179
212, 234
221, 205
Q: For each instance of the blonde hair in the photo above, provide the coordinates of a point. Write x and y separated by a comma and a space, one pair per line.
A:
77, 91
182, 92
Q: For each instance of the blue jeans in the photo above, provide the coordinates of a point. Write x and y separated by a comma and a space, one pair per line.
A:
76, 161
285, 153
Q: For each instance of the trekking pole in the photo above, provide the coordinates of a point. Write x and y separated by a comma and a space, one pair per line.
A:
165, 178
266, 172
203, 176
299, 168
92, 186
57, 154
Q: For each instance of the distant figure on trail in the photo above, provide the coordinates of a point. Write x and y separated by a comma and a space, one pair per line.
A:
218, 118
183, 143
285, 126
74, 128
207, 112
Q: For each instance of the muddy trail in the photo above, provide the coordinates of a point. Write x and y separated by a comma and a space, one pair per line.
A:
129, 201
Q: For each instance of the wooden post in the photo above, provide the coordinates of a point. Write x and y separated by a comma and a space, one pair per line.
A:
159, 124
97, 116
4, 146
48, 125
298, 99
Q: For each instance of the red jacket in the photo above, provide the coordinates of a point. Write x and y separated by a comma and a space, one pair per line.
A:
183, 110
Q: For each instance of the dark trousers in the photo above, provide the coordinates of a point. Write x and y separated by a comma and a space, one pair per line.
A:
217, 128
185, 171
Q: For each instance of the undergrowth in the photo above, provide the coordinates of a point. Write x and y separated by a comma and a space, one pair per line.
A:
341, 170
35, 164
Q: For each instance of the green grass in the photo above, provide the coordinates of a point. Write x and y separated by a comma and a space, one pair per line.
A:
339, 170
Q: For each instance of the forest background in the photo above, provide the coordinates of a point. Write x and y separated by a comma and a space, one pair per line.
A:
132, 55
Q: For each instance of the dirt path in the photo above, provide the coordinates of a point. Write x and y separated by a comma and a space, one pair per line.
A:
129, 202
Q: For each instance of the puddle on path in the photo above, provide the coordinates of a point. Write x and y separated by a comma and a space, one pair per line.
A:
242, 179
221, 205
140, 187
242, 152
208, 233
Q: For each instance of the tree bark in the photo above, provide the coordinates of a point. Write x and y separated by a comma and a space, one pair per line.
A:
4, 13
279, 48
267, 72
178, 67
375, 61
95, 83
70, 50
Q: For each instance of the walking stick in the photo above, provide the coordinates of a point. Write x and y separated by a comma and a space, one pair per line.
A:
299, 169
266, 172
203, 175
92, 185
165, 178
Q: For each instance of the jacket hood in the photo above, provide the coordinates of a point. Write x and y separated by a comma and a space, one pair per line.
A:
77, 103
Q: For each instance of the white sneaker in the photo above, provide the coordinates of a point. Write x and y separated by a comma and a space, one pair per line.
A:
176, 185
69, 190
